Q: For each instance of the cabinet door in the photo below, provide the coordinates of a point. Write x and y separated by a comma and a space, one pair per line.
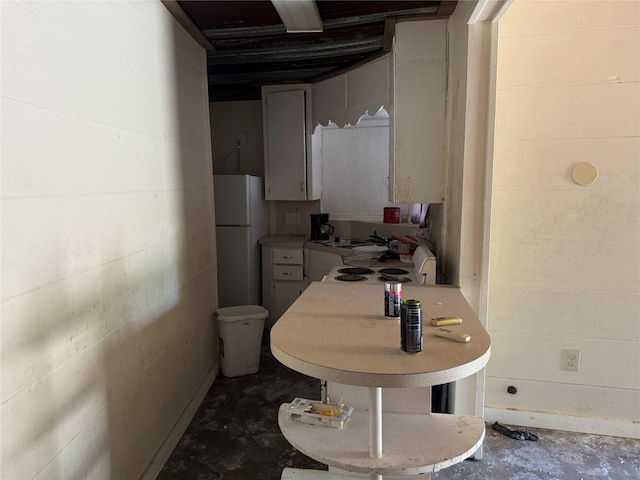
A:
287, 272
287, 256
284, 294
285, 156
317, 264
418, 120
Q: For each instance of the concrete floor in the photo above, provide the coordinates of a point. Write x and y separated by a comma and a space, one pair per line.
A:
235, 435
556, 455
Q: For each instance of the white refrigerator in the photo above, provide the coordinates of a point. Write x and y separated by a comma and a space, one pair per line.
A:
241, 220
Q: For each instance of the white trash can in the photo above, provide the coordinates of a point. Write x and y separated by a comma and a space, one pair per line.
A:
240, 329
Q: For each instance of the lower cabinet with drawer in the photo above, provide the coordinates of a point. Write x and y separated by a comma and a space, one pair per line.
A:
282, 279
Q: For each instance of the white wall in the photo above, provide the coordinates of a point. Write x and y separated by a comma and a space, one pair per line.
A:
229, 122
463, 224
565, 259
108, 264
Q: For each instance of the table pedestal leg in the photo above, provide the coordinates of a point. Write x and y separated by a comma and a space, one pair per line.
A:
375, 426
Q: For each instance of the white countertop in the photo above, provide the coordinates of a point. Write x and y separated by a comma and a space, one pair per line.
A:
301, 241
338, 332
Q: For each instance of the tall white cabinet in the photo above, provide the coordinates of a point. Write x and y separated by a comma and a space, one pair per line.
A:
290, 173
417, 126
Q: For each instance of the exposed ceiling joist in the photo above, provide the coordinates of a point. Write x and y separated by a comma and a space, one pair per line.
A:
253, 48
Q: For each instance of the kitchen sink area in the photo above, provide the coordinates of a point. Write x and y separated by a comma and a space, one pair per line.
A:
338, 242
394, 247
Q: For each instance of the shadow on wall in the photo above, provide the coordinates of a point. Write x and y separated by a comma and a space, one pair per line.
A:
173, 353
53, 328
236, 136
136, 354
118, 351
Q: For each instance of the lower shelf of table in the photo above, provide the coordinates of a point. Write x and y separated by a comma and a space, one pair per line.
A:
412, 444
304, 474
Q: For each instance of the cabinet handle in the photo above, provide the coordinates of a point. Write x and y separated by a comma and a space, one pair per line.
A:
287, 273
302, 186
286, 256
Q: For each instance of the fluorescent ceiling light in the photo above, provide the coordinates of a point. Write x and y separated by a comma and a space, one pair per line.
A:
299, 15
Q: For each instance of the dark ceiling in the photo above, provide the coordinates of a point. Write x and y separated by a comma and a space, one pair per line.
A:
249, 45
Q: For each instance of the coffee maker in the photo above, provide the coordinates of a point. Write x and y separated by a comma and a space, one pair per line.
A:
320, 228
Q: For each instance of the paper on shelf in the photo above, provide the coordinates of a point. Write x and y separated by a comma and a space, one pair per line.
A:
318, 413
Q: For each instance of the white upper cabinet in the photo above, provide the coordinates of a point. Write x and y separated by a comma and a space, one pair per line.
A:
347, 97
418, 114
289, 173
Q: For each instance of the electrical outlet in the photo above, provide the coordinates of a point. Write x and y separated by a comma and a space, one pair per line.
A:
291, 218
571, 359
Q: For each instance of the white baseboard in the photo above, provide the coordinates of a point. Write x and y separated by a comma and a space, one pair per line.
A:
597, 426
162, 455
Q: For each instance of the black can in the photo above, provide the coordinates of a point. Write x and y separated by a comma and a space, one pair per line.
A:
411, 326
392, 299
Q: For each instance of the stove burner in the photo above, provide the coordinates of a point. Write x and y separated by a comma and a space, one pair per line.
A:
393, 271
389, 278
357, 271
350, 278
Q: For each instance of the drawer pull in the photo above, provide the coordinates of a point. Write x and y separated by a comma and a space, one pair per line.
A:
287, 273
286, 256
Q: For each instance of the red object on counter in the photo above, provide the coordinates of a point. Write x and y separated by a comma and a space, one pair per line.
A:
391, 215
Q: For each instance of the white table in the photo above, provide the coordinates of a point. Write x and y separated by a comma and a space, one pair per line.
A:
337, 332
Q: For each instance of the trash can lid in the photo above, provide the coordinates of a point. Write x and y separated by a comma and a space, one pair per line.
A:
243, 312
